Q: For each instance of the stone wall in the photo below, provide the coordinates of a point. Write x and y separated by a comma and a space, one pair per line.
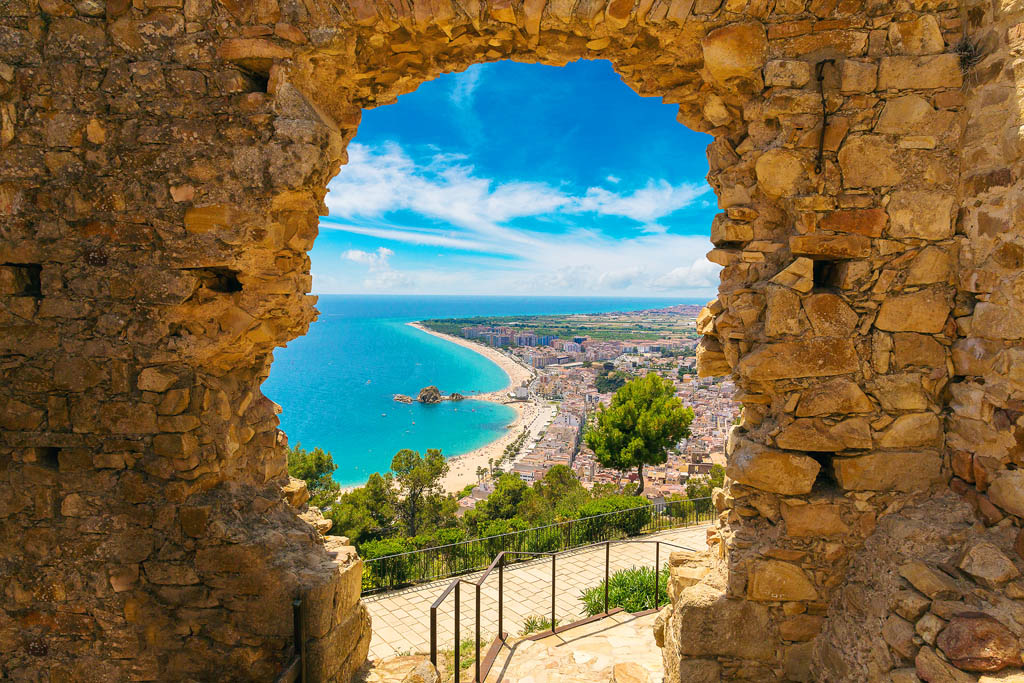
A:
162, 167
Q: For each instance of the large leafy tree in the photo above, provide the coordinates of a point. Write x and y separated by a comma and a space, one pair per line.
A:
417, 481
365, 513
644, 421
315, 468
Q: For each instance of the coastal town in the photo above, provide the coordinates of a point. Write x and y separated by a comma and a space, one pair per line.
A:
559, 381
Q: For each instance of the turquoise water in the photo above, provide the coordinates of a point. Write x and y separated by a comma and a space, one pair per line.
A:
335, 384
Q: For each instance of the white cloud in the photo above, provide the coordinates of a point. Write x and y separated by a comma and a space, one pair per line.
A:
376, 260
477, 212
700, 273
613, 179
646, 205
380, 276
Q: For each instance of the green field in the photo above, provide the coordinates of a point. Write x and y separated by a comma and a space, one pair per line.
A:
669, 324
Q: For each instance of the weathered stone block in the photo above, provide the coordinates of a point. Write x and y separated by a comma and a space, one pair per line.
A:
869, 161
988, 565
824, 246
922, 311
813, 520
815, 435
771, 470
867, 222
1006, 490
857, 77
887, 471
829, 315
781, 173
921, 215
835, 396
899, 635
911, 430
899, 392
156, 379
978, 642
787, 73
783, 313
997, 321
776, 581
920, 36
929, 581
920, 73
807, 358
708, 625
735, 50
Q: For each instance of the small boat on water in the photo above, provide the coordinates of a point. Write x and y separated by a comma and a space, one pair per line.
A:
383, 414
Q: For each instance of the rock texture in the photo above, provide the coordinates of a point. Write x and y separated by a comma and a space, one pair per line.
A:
163, 166
429, 394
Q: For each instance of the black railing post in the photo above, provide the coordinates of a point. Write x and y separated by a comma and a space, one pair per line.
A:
433, 635
477, 678
607, 563
657, 570
458, 635
300, 637
552, 594
501, 596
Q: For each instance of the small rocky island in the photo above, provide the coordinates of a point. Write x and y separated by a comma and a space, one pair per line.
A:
429, 394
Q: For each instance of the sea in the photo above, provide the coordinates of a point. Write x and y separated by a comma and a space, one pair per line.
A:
336, 384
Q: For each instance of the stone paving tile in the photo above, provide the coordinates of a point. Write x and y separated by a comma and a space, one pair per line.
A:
401, 619
583, 654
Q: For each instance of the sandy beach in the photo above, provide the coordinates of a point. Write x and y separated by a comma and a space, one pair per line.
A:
462, 468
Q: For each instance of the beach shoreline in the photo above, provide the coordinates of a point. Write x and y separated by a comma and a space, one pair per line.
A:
462, 468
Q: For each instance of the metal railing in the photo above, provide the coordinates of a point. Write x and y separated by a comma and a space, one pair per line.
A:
429, 564
295, 670
482, 667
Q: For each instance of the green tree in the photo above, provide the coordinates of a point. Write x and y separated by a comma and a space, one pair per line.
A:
609, 382
702, 486
504, 501
315, 468
561, 492
643, 422
418, 495
365, 513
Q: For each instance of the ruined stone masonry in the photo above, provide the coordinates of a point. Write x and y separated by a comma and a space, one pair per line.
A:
163, 165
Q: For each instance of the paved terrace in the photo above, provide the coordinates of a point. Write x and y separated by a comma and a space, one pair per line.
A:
401, 618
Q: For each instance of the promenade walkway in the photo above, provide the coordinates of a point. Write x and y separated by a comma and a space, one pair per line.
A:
401, 619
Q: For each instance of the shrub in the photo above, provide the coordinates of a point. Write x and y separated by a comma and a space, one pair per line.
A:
392, 571
626, 521
631, 589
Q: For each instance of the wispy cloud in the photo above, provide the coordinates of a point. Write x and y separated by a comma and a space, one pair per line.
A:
576, 258
465, 87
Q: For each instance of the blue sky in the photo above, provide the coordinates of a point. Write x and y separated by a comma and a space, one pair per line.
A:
520, 178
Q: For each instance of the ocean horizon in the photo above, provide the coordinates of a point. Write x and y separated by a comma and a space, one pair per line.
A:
336, 384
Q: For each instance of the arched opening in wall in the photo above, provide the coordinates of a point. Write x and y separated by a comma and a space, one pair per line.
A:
547, 229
